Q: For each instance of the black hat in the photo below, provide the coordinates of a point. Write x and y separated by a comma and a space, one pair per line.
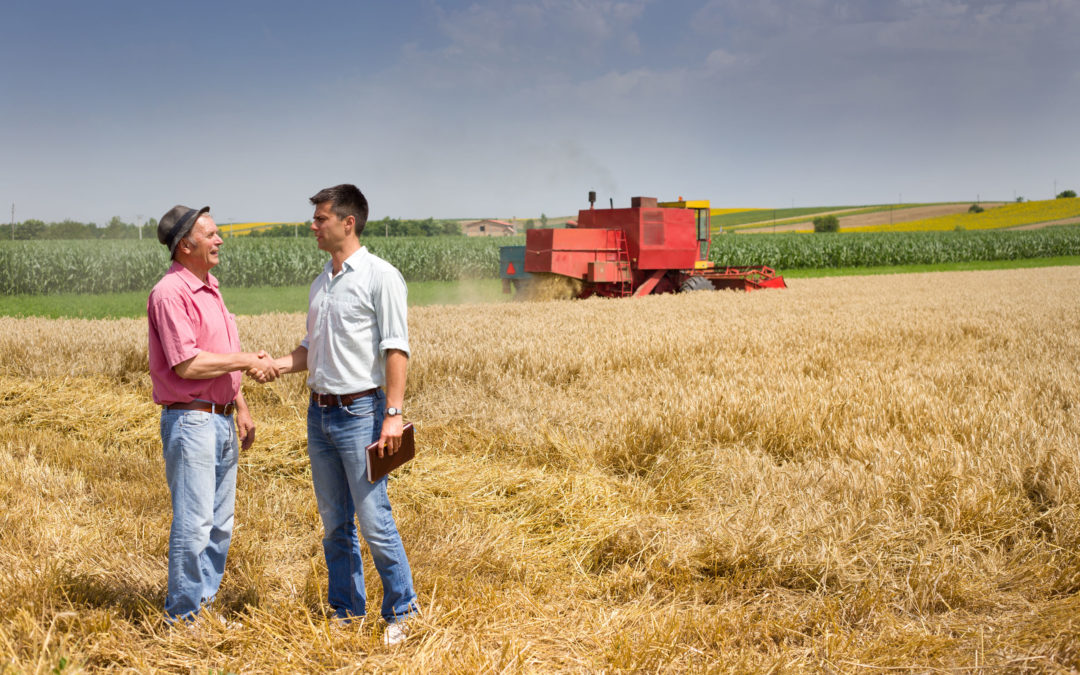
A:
175, 225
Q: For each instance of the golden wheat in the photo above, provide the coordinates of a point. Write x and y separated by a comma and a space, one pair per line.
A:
853, 474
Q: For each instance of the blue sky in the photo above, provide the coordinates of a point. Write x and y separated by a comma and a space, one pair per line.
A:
512, 109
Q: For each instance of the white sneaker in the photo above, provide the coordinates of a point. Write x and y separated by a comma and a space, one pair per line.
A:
395, 633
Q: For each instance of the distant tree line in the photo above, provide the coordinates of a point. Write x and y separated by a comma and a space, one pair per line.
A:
387, 227
73, 229
398, 227
118, 229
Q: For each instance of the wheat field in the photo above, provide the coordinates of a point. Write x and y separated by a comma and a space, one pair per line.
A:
877, 474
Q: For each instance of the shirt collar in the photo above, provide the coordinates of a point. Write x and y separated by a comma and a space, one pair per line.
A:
190, 279
356, 258
352, 262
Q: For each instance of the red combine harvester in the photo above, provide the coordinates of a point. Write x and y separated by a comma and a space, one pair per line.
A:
648, 248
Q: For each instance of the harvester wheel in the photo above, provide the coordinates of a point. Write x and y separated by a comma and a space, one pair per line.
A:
695, 284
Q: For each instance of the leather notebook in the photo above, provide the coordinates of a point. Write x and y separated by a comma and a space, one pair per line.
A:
377, 467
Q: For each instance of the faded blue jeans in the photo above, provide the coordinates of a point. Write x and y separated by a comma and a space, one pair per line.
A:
337, 437
201, 453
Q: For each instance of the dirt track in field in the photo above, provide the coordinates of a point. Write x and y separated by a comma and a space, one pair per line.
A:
1063, 221
877, 218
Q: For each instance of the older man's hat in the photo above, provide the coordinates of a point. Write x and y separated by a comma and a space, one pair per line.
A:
175, 224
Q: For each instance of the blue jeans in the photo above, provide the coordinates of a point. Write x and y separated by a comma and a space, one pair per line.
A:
337, 437
201, 453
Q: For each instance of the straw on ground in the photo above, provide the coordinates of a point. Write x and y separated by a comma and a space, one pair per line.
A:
853, 474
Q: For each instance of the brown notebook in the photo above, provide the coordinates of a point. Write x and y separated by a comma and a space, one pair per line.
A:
377, 467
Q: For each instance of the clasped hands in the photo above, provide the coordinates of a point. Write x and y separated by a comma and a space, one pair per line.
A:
263, 369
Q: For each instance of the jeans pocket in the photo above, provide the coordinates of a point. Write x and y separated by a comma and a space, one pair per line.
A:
195, 419
361, 407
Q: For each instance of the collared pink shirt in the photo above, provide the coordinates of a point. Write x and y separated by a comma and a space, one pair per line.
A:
186, 317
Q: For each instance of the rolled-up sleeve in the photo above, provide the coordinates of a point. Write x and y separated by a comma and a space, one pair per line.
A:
390, 302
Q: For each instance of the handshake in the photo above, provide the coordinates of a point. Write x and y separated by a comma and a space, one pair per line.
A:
262, 368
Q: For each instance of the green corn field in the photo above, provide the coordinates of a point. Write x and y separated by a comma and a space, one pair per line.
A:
802, 251
95, 266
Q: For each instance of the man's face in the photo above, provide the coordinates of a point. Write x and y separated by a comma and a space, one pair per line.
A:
330, 230
200, 246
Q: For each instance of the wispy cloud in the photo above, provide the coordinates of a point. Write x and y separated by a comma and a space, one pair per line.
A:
511, 108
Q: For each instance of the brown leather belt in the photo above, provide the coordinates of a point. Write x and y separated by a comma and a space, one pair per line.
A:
339, 399
227, 409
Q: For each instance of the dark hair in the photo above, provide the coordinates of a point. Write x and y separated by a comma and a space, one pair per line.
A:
345, 200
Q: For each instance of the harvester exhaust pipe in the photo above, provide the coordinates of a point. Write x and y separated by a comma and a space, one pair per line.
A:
592, 198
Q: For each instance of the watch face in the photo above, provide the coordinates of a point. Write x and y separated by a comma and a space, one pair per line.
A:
393, 411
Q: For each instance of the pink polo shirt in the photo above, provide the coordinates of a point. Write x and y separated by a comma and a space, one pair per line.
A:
186, 317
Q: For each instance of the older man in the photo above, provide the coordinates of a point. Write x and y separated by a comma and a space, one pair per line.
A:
195, 364
356, 351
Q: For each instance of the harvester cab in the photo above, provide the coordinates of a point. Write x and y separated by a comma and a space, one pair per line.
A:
648, 248
702, 212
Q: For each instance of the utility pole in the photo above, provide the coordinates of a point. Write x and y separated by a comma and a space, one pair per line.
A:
12, 221
138, 224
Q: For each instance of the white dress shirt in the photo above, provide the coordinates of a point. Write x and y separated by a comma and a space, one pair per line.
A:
353, 318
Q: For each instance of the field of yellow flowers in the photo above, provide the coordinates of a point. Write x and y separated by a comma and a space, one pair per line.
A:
240, 229
1009, 215
857, 474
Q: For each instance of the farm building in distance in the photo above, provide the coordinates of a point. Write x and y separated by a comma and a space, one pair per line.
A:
488, 228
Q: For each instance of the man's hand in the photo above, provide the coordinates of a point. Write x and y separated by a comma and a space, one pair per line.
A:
245, 427
390, 439
263, 369
293, 362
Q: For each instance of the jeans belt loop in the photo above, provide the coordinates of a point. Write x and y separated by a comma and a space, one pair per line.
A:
340, 400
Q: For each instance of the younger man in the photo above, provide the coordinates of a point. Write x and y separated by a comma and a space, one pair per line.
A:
357, 352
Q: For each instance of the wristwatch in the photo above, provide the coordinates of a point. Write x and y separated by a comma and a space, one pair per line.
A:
390, 412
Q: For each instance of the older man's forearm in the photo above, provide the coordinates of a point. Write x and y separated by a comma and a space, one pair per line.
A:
208, 365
